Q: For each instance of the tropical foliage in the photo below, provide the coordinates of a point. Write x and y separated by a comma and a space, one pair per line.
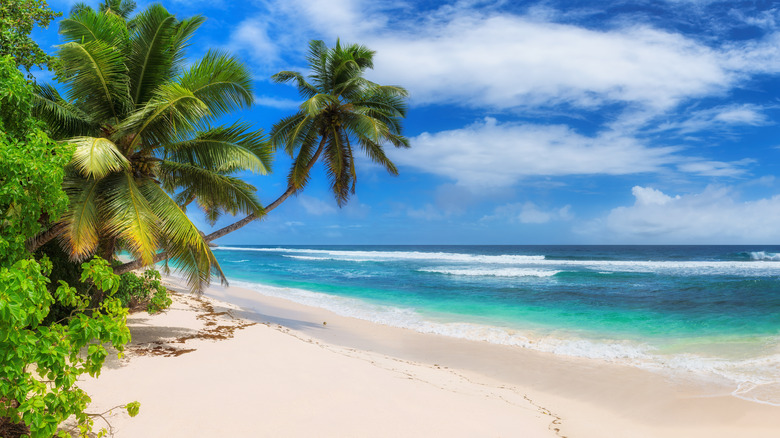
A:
342, 110
141, 125
39, 364
17, 20
143, 290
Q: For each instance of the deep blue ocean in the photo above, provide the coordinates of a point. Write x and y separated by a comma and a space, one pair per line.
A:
708, 310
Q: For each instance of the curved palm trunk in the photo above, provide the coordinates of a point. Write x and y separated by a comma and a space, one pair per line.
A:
136, 264
44, 237
290, 190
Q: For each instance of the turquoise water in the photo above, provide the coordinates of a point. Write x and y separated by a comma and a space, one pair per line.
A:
708, 310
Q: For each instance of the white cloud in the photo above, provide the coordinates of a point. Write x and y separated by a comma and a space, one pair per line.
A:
251, 35
492, 154
427, 212
275, 102
720, 118
716, 215
477, 57
529, 213
316, 207
650, 196
473, 55
716, 168
508, 61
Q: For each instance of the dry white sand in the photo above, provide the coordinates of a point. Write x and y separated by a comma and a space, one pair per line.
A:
201, 370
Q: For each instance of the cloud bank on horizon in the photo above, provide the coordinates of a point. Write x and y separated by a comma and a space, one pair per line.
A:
545, 121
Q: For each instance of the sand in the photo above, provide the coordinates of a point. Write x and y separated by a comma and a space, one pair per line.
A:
235, 363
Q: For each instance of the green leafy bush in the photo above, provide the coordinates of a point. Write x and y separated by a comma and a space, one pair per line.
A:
39, 364
143, 291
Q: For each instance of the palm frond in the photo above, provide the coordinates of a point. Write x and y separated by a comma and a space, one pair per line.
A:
184, 30
184, 243
129, 216
299, 176
220, 81
96, 157
81, 221
64, 119
150, 58
292, 131
306, 89
225, 149
86, 25
339, 165
171, 113
120, 8
211, 189
97, 77
376, 153
315, 105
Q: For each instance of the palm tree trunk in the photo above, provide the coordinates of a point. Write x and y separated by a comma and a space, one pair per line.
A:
136, 264
290, 190
44, 237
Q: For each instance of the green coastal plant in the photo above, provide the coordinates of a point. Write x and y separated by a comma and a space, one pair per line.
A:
17, 20
342, 110
144, 290
39, 364
140, 119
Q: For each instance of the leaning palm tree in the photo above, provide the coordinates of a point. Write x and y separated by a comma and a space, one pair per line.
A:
140, 123
341, 109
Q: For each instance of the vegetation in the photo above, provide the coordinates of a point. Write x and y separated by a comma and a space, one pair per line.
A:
141, 126
39, 364
341, 109
17, 20
143, 291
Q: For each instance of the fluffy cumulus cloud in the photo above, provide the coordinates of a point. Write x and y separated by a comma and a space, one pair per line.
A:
504, 61
716, 215
484, 58
492, 154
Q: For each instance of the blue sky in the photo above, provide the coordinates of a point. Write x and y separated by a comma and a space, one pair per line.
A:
550, 122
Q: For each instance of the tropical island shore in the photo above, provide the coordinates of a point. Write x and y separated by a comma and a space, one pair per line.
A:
233, 362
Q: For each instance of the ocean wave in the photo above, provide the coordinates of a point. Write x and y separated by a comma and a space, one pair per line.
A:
761, 263
505, 272
761, 255
362, 256
755, 379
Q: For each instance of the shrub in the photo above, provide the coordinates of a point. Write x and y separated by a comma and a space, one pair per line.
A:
39, 364
143, 291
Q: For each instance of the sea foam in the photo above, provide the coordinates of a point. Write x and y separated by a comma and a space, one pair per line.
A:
486, 272
361, 256
761, 255
756, 379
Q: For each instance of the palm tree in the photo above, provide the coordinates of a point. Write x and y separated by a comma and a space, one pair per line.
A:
141, 127
341, 109
122, 8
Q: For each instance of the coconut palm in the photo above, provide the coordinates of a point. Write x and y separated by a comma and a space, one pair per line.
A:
341, 109
122, 8
141, 125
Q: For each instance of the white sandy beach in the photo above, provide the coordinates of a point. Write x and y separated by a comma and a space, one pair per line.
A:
236, 363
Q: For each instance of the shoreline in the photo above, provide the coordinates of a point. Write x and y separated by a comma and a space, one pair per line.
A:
578, 397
